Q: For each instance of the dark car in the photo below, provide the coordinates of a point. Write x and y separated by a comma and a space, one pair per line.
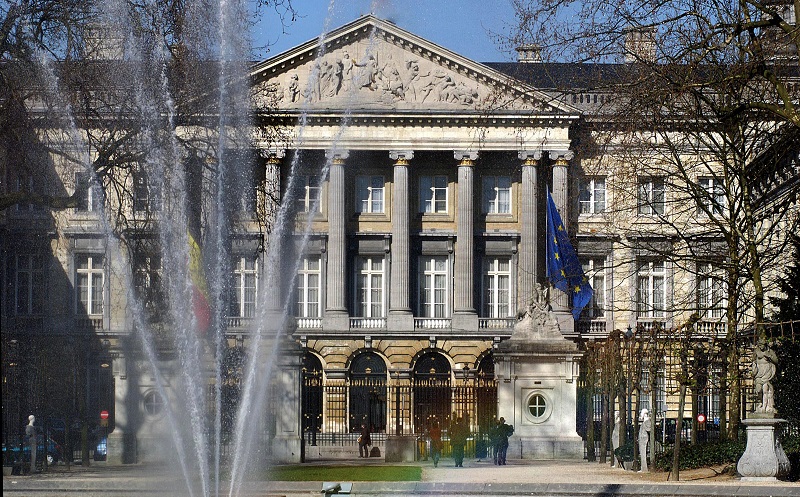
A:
22, 452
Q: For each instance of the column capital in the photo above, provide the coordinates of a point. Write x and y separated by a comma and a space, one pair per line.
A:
401, 157
529, 157
561, 156
337, 157
273, 155
466, 157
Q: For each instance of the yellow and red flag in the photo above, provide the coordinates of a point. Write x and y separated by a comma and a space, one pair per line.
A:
201, 305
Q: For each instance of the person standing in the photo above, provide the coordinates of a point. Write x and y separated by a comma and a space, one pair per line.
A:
435, 433
458, 439
503, 432
364, 441
493, 440
31, 440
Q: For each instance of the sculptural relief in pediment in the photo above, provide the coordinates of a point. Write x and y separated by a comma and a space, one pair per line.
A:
384, 77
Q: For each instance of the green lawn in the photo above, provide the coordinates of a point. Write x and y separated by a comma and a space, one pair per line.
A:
345, 473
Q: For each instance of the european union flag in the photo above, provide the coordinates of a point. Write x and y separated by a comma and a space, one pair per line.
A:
564, 270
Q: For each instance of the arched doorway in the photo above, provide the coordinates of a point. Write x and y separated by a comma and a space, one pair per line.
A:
368, 393
311, 398
486, 393
432, 393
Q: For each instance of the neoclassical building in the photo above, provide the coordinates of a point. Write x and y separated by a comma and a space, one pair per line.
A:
416, 181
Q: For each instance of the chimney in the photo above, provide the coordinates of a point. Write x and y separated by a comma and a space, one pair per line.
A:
529, 53
640, 44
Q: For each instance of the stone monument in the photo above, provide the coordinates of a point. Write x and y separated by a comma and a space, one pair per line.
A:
537, 369
645, 427
764, 458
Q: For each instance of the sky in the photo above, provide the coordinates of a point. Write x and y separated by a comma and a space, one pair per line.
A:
462, 26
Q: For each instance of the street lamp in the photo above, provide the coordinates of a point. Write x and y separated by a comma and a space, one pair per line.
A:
628, 385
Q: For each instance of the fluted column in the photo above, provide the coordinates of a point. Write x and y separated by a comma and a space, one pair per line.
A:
464, 315
336, 316
558, 299
400, 315
528, 243
272, 246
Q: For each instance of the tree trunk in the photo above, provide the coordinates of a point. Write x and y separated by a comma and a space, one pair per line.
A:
604, 429
676, 451
695, 412
723, 395
590, 455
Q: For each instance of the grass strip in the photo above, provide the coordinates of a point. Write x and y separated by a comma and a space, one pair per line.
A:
344, 473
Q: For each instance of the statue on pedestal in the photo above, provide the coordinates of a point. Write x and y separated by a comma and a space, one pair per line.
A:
615, 443
764, 364
645, 426
537, 320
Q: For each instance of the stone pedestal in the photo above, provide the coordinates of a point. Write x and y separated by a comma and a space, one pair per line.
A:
400, 448
764, 458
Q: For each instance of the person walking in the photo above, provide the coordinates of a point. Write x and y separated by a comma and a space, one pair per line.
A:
494, 442
435, 434
364, 441
503, 432
458, 439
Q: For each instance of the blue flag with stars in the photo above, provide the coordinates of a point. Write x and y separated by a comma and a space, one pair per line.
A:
564, 270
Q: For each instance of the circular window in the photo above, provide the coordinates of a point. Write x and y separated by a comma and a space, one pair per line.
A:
153, 403
538, 407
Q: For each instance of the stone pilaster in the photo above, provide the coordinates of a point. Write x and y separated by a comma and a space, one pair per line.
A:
273, 246
400, 315
464, 315
336, 316
558, 299
528, 243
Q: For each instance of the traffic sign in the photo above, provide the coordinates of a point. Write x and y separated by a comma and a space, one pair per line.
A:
103, 414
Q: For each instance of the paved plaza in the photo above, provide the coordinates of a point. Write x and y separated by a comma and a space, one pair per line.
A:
532, 478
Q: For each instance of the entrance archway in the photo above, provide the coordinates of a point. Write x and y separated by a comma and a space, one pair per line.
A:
431, 384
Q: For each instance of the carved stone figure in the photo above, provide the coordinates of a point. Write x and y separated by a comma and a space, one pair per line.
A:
615, 442
645, 426
30, 437
537, 319
765, 361
294, 88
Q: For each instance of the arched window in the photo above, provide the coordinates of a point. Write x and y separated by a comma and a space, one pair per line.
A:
432, 393
311, 397
486, 393
368, 392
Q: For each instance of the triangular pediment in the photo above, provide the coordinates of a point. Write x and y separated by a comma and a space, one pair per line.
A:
371, 64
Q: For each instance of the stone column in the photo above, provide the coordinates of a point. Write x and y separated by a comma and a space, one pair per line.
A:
528, 243
400, 314
558, 299
269, 208
336, 316
464, 315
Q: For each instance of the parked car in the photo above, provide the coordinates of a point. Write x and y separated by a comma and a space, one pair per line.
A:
22, 452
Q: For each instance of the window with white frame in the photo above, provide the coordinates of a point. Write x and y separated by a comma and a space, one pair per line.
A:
91, 199
308, 288
369, 194
712, 294
592, 197
308, 198
713, 199
645, 391
496, 194
244, 287
651, 196
90, 281
369, 287
433, 194
651, 282
29, 288
147, 280
497, 287
435, 287
595, 270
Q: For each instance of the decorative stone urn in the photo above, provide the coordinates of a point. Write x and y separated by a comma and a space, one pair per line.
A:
537, 371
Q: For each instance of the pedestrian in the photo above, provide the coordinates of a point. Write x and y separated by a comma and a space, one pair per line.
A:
503, 432
364, 442
435, 433
31, 440
458, 439
494, 440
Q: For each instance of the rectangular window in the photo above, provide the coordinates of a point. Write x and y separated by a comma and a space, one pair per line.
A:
244, 287
29, 284
25, 183
712, 294
713, 196
369, 194
369, 287
147, 280
595, 270
497, 195
433, 194
90, 201
90, 280
435, 287
644, 391
146, 194
592, 196
308, 288
651, 289
309, 195
652, 198
497, 288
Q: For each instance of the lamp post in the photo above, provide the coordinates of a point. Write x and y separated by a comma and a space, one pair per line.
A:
628, 385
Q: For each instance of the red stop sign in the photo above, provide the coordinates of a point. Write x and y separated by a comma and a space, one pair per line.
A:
103, 414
